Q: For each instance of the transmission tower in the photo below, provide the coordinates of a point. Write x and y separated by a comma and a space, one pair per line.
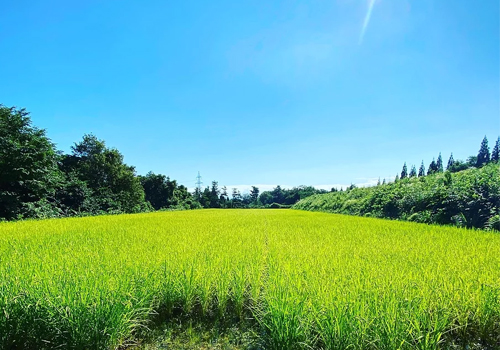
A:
198, 181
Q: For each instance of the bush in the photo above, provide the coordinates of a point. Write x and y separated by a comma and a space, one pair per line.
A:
469, 198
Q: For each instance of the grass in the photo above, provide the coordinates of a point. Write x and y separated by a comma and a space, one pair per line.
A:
290, 279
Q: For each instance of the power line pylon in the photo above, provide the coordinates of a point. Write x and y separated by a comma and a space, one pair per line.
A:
198, 181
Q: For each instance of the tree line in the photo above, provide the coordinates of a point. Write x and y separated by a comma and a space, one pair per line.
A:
215, 197
466, 194
483, 158
39, 181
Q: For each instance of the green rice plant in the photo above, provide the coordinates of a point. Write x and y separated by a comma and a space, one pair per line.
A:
306, 280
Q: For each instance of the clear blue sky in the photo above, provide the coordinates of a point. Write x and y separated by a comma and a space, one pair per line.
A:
259, 92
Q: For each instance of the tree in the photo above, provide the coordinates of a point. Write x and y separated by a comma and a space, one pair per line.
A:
421, 170
155, 190
471, 161
163, 193
266, 198
237, 198
432, 168
413, 171
224, 197
483, 156
439, 164
404, 172
278, 195
254, 194
451, 161
495, 154
246, 200
197, 194
113, 183
214, 195
29, 174
73, 197
205, 198
458, 165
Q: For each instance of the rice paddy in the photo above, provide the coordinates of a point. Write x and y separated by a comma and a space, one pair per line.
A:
304, 280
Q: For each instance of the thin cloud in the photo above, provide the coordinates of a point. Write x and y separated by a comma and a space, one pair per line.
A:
371, 3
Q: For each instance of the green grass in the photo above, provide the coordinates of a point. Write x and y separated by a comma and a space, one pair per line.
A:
298, 279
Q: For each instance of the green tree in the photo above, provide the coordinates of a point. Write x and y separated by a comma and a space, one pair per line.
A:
278, 195
163, 193
254, 194
266, 198
74, 197
439, 164
404, 172
197, 195
113, 183
214, 195
451, 161
29, 174
483, 156
432, 168
421, 170
246, 200
155, 190
413, 171
237, 198
224, 197
471, 161
495, 154
458, 165
205, 197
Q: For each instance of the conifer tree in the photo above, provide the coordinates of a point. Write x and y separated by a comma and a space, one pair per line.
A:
439, 164
378, 182
483, 156
396, 179
404, 172
413, 171
495, 155
421, 170
451, 161
383, 182
432, 167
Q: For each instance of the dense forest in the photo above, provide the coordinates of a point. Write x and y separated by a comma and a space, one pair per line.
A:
39, 181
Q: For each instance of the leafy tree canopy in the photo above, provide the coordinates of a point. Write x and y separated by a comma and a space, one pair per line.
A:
114, 184
28, 167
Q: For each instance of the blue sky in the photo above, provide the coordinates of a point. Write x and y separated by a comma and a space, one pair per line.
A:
259, 92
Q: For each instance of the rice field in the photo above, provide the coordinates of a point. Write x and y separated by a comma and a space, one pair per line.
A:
306, 280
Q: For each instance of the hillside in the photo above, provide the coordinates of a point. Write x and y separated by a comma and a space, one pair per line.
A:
469, 198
